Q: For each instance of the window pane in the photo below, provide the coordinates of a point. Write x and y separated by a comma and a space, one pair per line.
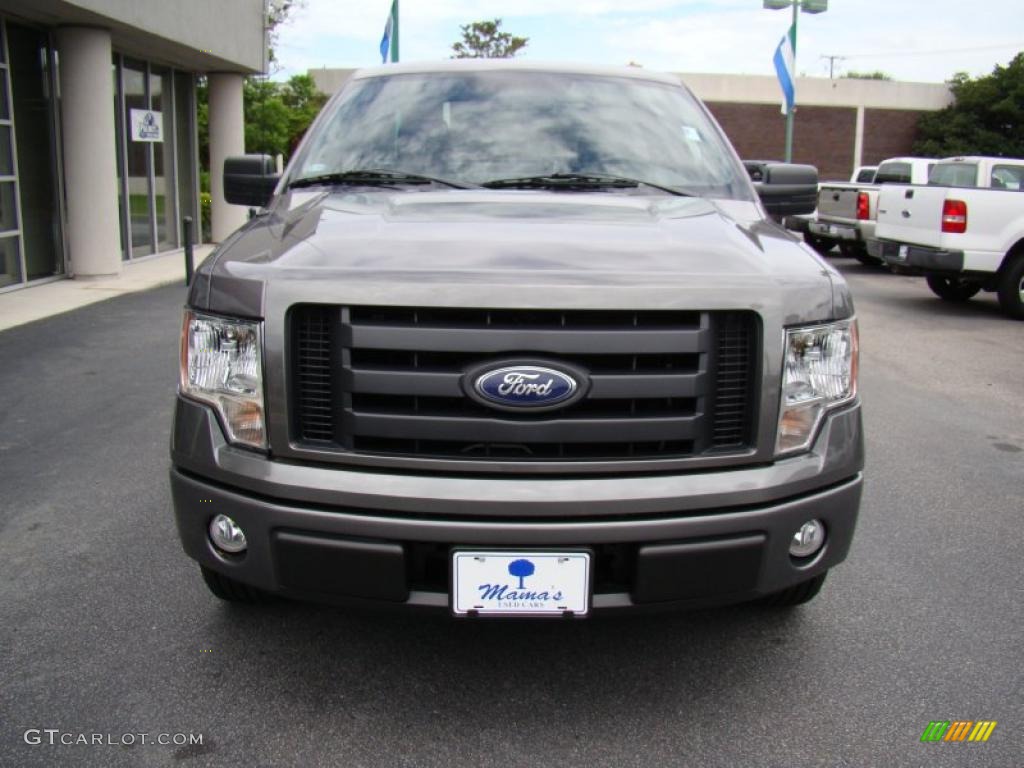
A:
119, 143
10, 269
183, 95
160, 86
4, 115
8, 209
6, 158
138, 163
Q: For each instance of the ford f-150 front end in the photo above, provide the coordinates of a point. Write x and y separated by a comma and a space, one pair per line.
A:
516, 340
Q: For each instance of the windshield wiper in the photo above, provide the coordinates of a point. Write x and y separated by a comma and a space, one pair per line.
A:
373, 177
578, 181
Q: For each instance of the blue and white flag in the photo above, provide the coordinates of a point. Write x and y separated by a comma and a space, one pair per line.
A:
389, 30
784, 60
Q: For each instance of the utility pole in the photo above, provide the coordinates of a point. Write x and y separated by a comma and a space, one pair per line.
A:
831, 64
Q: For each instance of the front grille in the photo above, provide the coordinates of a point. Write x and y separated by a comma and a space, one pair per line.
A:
388, 381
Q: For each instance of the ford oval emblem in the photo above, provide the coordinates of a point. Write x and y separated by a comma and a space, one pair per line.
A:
533, 387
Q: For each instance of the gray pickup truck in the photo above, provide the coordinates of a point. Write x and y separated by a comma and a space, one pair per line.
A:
517, 340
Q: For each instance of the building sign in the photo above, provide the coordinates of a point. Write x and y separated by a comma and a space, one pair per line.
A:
147, 125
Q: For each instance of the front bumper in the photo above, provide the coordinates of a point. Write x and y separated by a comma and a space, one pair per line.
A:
679, 540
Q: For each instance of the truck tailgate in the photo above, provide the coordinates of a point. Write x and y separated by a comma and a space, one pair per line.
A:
837, 201
911, 214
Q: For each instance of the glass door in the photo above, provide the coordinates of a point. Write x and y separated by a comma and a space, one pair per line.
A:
32, 105
138, 164
11, 270
161, 99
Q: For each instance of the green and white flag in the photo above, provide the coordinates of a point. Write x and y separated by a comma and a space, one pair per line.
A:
785, 64
390, 40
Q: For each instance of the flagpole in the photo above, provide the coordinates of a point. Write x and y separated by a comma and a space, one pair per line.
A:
394, 33
792, 109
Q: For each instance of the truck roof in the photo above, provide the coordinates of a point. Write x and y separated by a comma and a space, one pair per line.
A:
492, 65
982, 159
908, 160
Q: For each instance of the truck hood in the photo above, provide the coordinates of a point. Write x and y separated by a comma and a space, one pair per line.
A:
485, 248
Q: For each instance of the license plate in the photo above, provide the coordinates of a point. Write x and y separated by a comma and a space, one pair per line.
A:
520, 583
902, 256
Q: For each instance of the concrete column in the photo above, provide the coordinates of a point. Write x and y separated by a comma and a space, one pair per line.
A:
227, 138
90, 146
858, 138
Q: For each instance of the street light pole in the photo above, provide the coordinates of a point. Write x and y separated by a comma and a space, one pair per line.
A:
807, 6
792, 111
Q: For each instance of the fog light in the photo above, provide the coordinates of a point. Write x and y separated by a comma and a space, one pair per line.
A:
226, 535
808, 539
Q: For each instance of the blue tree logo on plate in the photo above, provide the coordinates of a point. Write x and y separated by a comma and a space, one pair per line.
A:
521, 569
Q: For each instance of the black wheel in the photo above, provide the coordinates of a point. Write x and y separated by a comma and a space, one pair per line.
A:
1011, 288
859, 252
952, 288
821, 244
798, 594
228, 589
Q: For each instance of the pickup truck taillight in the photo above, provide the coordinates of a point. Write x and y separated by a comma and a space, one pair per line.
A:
863, 206
954, 216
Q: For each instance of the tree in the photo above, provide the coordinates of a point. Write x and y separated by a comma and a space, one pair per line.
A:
304, 103
484, 40
278, 12
985, 118
876, 75
520, 569
278, 114
266, 117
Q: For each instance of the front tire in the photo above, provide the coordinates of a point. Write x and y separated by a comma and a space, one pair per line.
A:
798, 594
1011, 288
952, 288
229, 590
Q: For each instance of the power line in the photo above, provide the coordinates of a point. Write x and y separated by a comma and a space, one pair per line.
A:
926, 53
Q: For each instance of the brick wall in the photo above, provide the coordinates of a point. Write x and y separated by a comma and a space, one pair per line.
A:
822, 136
888, 133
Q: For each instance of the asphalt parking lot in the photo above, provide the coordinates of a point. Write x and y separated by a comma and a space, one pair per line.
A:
106, 627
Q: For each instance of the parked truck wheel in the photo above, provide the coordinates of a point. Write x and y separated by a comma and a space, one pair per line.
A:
859, 252
1011, 288
952, 288
230, 590
821, 244
798, 594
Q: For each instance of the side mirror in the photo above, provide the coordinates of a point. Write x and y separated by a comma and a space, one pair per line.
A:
785, 189
250, 180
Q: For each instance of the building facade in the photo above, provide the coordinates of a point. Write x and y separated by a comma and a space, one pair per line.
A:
99, 156
839, 125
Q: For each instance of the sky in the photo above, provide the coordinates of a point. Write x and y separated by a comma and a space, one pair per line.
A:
916, 40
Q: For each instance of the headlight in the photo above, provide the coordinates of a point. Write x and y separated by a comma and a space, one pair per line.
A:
820, 373
222, 364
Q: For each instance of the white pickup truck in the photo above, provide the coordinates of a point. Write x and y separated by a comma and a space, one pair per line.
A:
846, 211
964, 231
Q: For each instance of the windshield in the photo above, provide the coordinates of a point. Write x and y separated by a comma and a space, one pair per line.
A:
479, 127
